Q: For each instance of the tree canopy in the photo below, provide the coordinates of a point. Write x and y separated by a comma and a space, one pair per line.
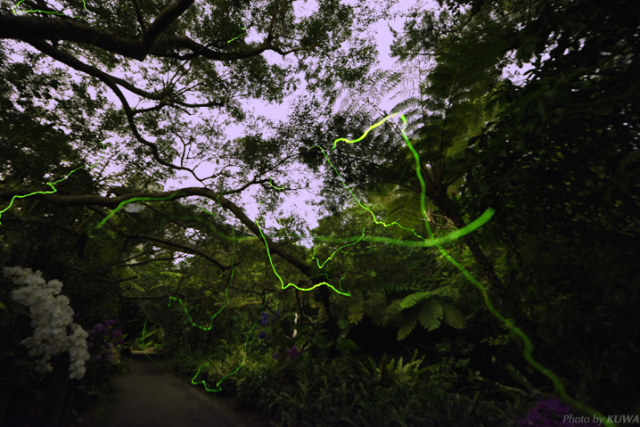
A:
103, 103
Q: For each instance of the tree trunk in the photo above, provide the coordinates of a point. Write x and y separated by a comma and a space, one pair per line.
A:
508, 306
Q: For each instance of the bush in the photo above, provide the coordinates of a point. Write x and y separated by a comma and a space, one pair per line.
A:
351, 392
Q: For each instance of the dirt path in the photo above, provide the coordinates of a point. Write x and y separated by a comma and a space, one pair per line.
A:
152, 396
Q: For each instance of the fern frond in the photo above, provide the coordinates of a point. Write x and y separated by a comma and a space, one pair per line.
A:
431, 314
405, 210
413, 299
406, 328
453, 317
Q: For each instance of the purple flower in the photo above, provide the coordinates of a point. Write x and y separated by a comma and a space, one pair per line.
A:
116, 333
276, 355
262, 335
98, 357
98, 328
550, 412
265, 319
293, 352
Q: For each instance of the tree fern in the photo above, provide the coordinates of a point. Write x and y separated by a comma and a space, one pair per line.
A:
431, 314
411, 300
407, 326
428, 310
453, 317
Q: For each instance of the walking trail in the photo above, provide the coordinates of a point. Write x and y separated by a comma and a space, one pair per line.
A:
151, 395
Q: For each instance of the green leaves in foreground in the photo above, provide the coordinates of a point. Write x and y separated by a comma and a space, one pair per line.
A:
429, 311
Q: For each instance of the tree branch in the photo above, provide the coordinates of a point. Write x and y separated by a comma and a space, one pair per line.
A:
108, 80
302, 266
113, 202
183, 247
162, 22
136, 6
29, 27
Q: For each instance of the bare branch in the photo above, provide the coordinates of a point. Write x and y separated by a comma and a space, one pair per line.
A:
136, 6
29, 27
166, 17
108, 80
133, 264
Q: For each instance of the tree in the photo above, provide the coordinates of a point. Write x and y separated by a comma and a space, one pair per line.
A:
179, 62
446, 109
184, 51
557, 155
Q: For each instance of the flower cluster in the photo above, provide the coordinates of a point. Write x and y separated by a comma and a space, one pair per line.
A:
104, 340
551, 412
52, 320
293, 352
264, 321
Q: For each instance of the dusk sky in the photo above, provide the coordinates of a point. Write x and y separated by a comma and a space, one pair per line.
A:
280, 112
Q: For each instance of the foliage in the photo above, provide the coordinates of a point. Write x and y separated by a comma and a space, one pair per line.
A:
552, 412
347, 392
556, 154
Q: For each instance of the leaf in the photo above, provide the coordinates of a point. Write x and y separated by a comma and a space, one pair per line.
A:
453, 317
322, 342
413, 299
431, 314
356, 317
138, 287
406, 329
345, 344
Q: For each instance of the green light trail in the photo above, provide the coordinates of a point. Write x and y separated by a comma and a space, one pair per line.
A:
135, 199
237, 37
348, 141
340, 249
144, 336
13, 9
274, 186
528, 345
484, 218
266, 243
52, 185
194, 380
193, 322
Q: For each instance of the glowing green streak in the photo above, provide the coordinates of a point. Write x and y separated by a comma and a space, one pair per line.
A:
186, 311
43, 11
238, 36
348, 141
144, 334
203, 382
52, 185
277, 188
135, 199
373, 215
336, 251
528, 345
469, 228
266, 244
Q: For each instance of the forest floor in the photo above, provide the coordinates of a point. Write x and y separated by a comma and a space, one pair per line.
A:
152, 395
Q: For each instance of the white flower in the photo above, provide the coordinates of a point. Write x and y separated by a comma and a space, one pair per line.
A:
55, 285
50, 317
